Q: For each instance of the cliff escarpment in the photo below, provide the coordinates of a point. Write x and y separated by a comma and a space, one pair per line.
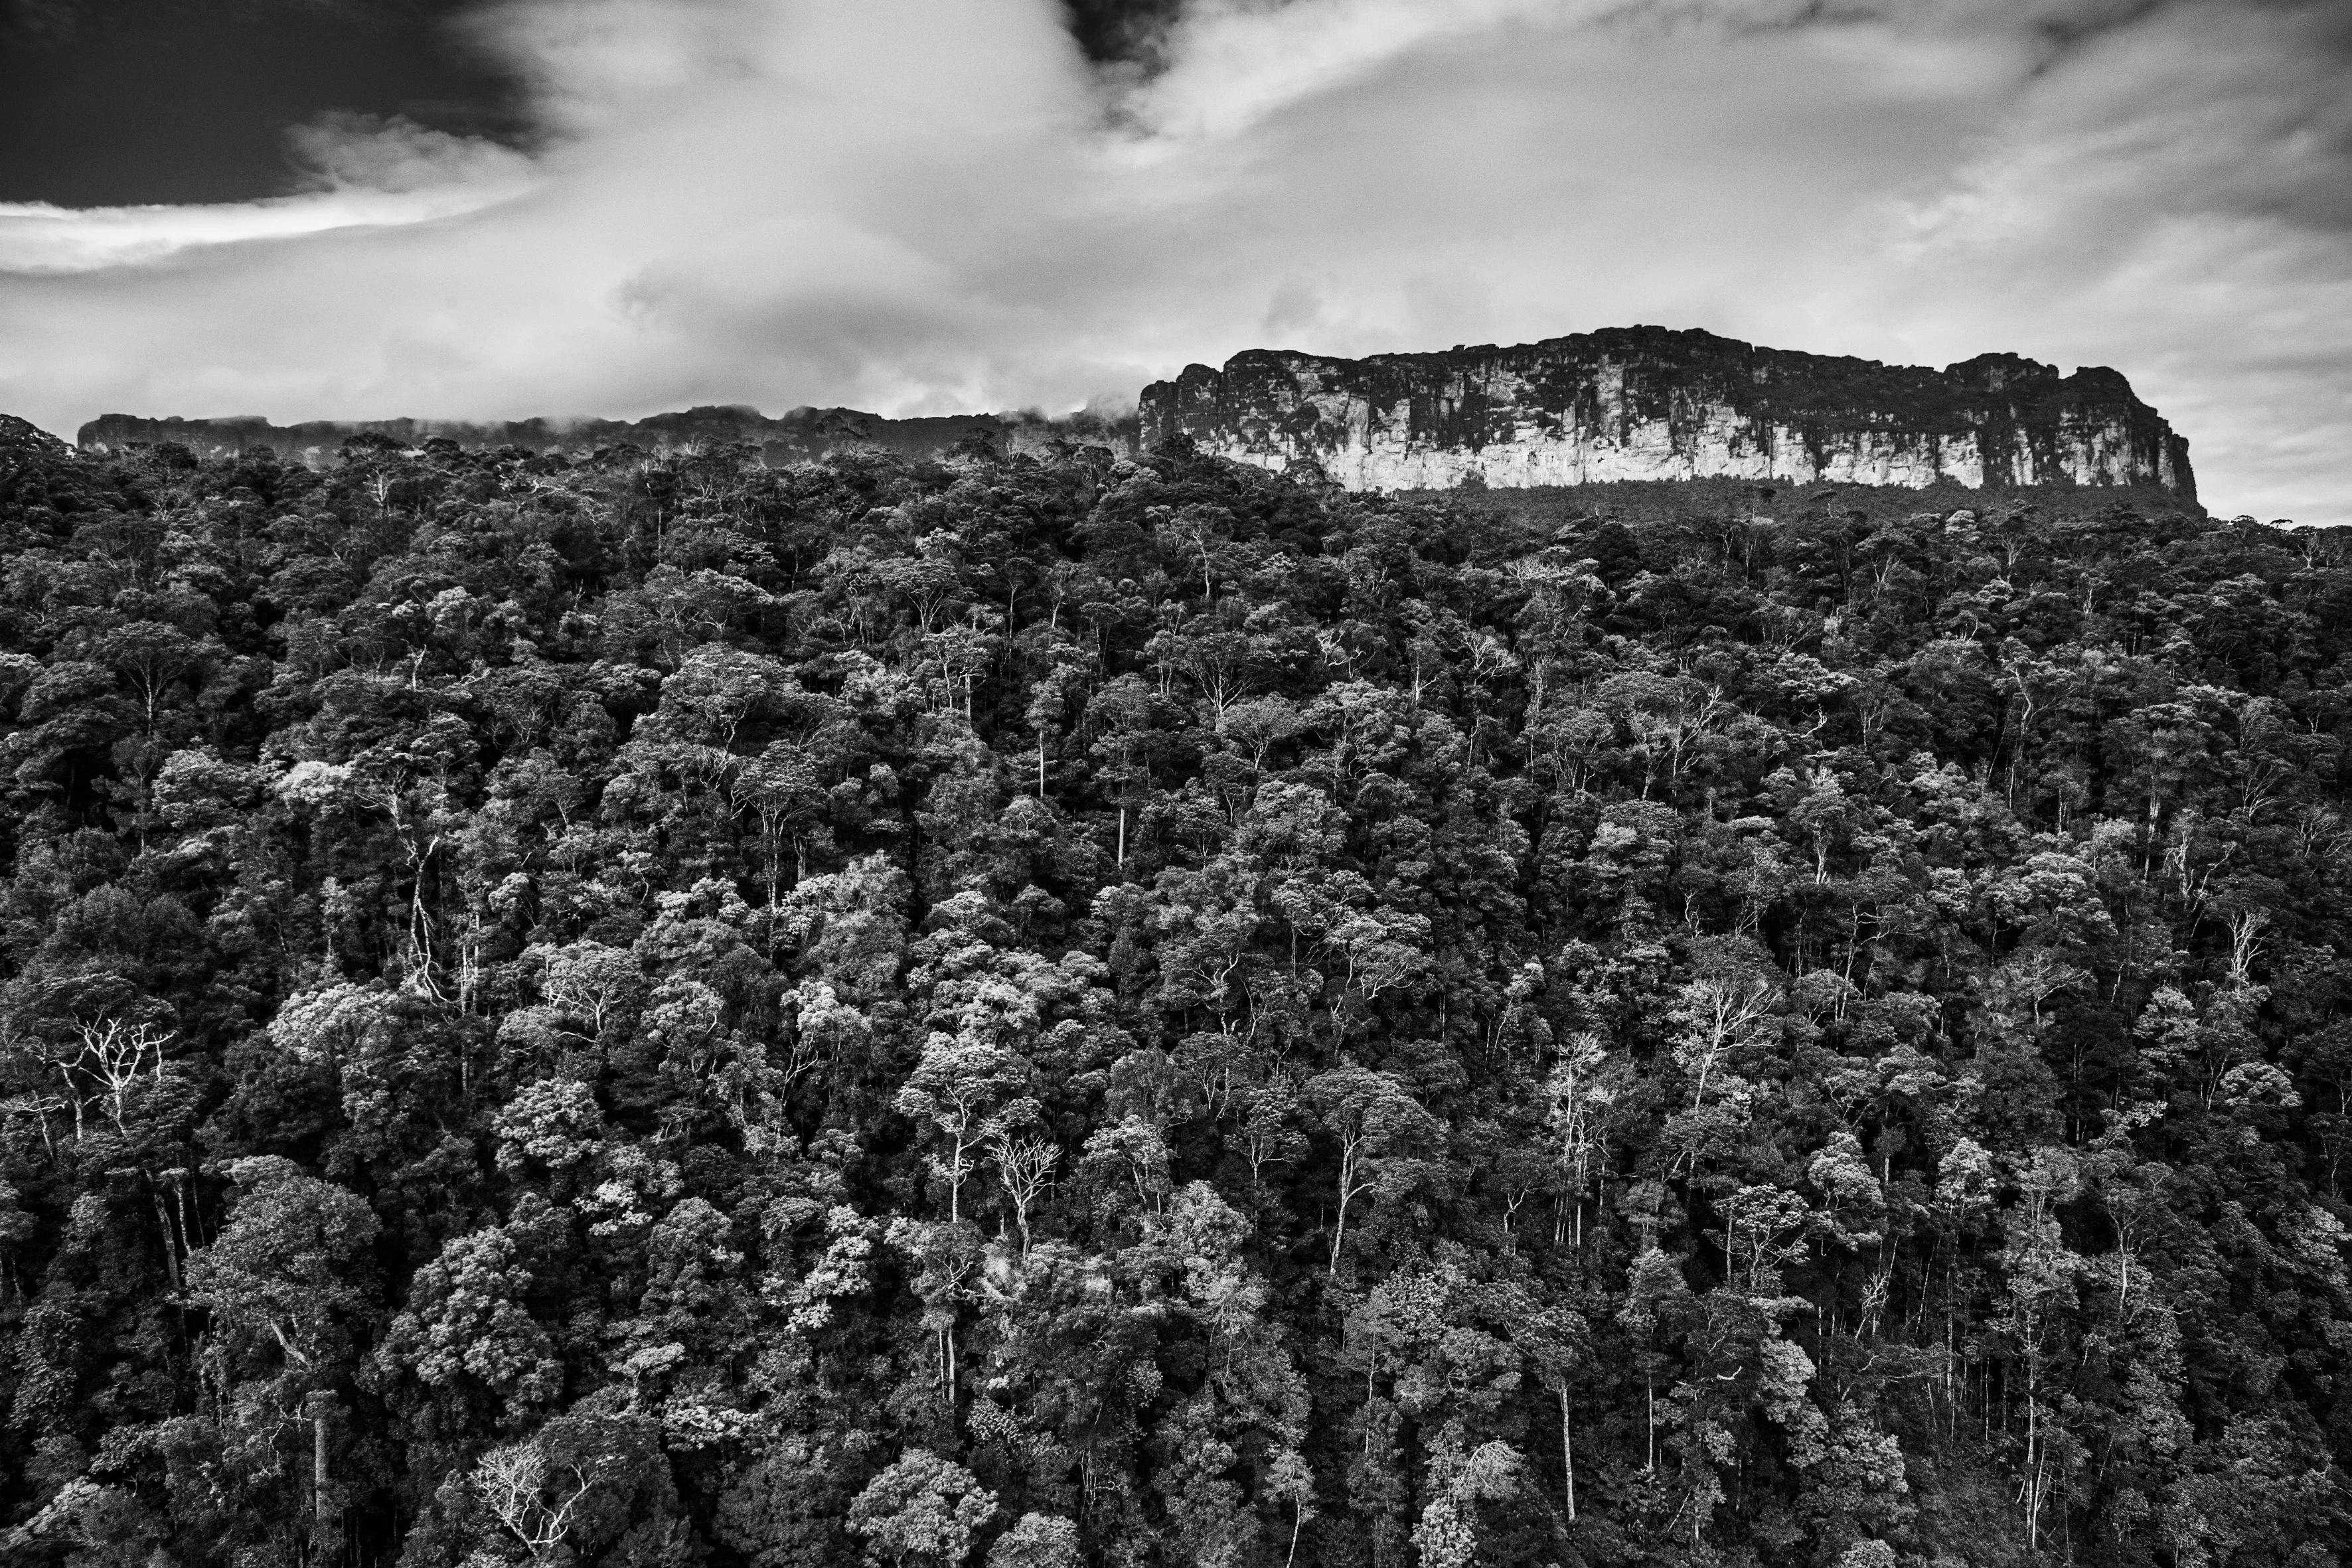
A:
1644, 402
801, 435
1639, 404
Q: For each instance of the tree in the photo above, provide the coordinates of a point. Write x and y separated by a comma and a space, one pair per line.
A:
289, 1264
1582, 1087
1037, 1541
1377, 1126
536, 1508
1024, 1165
1444, 1535
961, 1087
922, 1508
781, 789
468, 1327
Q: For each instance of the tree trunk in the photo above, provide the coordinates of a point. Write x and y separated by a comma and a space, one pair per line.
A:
325, 1519
171, 1253
1347, 1183
1567, 1450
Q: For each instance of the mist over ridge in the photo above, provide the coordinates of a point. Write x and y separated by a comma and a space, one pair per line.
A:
1637, 404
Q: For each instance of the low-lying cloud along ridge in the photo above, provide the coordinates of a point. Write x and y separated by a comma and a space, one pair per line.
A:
927, 207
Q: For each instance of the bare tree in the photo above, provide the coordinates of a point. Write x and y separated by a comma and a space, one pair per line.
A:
2246, 928
1719, 1015
1025, 1164
115, 1054
1581, 1093
512, 1482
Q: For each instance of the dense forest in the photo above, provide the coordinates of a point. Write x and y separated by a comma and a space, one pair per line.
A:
645, 1009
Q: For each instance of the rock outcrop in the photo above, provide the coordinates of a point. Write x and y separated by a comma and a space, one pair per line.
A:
1644, 402
804, 433
1639, 403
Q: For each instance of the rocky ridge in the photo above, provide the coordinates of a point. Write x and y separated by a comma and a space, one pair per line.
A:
1646, 403
799, 436
1637, 403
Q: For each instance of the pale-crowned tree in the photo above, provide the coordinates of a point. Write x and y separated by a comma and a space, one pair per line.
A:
1763, 1228
1582, 1087
1558, 1340
592, 983
1716, 1015
1289, 1480
960, 1088
552, 1125
1446, 1535
1730, 1007
2041, 1273
922, 1510
1037, 1541
468, 1327
1131, 1155
781, 788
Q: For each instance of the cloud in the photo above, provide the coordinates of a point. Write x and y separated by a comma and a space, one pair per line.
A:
394, 155
37, 237
922, 208
2173, 196
365, 174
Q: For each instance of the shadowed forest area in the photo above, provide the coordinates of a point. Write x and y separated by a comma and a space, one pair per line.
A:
651, 1010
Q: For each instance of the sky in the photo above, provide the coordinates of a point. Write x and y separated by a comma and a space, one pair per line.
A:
507, 208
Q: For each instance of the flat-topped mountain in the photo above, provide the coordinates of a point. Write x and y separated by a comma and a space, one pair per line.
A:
1644, 402
1632, 404
802, 434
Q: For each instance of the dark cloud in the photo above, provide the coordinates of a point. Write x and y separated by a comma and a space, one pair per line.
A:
1122, 32
50, 23
111, 102
115, 103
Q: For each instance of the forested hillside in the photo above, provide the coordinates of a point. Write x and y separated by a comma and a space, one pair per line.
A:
654, 1010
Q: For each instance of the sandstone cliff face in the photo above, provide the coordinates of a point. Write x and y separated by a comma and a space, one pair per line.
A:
1640, 402
802, 434
1644, 402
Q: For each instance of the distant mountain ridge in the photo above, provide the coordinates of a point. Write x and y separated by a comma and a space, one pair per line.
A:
1647, 403
1637, 403
799, 436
